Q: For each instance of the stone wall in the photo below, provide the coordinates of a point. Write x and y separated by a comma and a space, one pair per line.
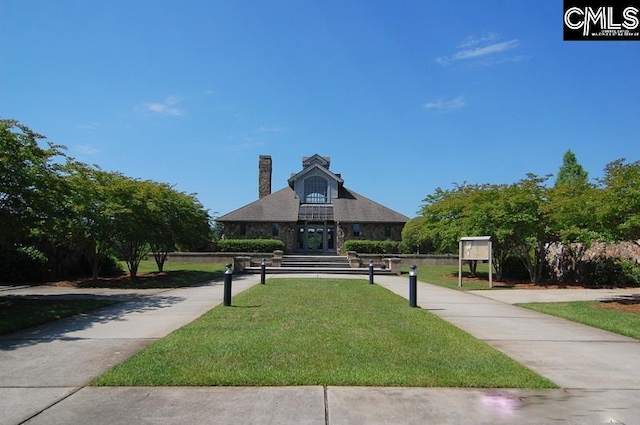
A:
566, 261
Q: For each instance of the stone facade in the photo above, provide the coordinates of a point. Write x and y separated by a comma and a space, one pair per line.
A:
287, 232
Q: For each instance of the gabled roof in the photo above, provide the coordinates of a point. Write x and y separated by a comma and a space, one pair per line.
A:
280, 206
307, 170
353, 207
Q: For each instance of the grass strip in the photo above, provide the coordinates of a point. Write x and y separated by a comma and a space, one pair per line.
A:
590, 313
20, 313
321, 332
447, 276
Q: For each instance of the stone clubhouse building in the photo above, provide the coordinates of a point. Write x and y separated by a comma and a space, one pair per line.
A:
314, 214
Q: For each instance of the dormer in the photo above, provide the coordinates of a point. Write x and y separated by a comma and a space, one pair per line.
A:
315, 184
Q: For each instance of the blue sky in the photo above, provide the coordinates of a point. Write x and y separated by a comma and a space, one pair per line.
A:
404, 96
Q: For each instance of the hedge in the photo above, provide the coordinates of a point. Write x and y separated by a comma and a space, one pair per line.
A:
250, 245
371, 247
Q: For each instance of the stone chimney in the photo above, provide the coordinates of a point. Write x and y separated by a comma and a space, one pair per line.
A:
264, 176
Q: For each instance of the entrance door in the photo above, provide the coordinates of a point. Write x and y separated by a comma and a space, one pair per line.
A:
316, 238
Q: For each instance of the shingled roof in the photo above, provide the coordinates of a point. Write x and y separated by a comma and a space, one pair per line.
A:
280, 206
284, 206
353, 207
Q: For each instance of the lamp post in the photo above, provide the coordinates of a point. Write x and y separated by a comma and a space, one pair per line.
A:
228, 277
263, 271
371, 272
413, 287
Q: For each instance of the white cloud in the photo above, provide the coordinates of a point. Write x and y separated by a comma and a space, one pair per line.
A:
473, 40
89, 126
168, 107
446, 105
482, 48
86, 150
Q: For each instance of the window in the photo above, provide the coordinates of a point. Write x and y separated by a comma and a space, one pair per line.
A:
356, 229
316, 190
387, 232
275, 229
243, 229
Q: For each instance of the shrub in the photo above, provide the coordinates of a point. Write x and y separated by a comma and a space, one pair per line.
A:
371, 247
514, 269
24, 264
250, 245
609, 272
424, 247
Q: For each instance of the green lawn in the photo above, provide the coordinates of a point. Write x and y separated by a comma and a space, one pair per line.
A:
321, 332
175, 274
447, 276
588, 313
20, 313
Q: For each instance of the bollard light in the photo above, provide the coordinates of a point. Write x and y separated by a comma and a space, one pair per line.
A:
413, 287
228, 277
263, 272
371, 272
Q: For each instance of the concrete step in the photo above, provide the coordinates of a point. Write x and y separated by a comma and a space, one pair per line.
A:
319, 258
314, 270
313, 264
315, 261
314, 257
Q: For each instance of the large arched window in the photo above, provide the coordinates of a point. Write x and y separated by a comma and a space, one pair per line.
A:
315, 190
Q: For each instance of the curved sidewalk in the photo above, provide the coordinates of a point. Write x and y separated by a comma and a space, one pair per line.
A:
44, 371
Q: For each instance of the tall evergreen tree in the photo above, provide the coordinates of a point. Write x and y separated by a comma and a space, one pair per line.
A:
571, 172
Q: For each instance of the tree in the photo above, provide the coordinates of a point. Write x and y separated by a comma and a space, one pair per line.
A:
619, 212
90, 224
465, 210
135, 202
29, 184
414, 237
178, 220
572, 211
528, 223
513, 215
571, 172
50, 200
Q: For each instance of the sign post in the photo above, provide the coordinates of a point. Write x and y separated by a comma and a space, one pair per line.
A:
474, 248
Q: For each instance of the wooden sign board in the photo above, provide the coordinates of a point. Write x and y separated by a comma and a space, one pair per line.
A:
475, 248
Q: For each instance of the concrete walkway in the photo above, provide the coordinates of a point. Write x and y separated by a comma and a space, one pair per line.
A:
44, 371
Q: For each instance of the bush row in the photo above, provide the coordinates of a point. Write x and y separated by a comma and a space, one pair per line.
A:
250, 245
372, 247
599, 272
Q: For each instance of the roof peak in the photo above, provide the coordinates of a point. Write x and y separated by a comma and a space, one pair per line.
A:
323, 161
